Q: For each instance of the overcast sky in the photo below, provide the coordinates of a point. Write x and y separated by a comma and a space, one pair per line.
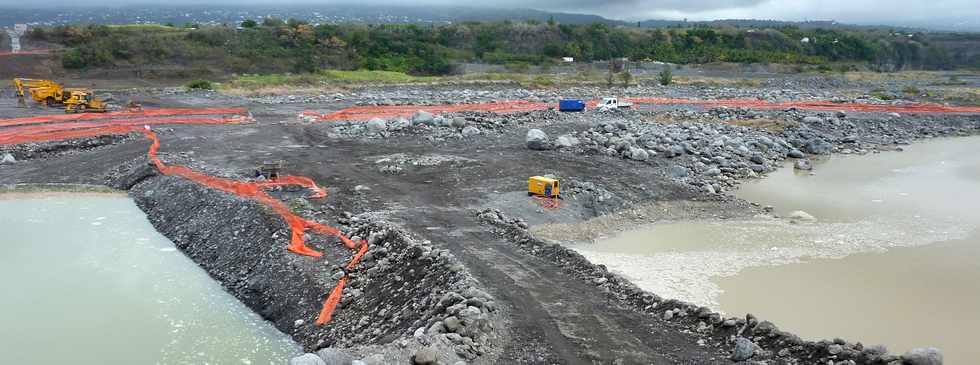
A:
850, 11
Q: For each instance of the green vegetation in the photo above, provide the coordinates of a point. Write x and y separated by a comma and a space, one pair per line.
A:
276, 46
665, 77
200, 84
322, 77
626, 77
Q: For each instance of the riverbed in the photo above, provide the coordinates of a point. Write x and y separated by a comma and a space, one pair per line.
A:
88, 280
893, 257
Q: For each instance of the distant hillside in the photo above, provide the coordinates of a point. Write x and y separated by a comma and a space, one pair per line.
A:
374, 14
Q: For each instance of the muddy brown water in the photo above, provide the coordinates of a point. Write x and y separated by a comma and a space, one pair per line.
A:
893, 258
87, 280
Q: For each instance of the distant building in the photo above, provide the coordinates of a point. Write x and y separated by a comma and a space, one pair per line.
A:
567, 59
805, 40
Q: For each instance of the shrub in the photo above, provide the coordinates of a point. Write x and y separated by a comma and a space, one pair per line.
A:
626, 77
666, 77
200, 84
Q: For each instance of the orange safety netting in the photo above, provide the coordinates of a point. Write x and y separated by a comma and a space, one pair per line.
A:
155, 112
394, 111
252, 190
547, 202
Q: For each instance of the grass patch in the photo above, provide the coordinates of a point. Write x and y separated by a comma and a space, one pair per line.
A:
325, 78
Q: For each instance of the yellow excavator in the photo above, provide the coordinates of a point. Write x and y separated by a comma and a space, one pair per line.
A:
50, 93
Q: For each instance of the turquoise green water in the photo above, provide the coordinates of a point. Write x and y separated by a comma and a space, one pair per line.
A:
87, 280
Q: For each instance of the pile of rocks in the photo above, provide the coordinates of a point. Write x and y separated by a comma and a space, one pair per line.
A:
29, 151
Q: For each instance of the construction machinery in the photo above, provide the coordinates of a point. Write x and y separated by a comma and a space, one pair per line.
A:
544, 187
50, 93
269, 170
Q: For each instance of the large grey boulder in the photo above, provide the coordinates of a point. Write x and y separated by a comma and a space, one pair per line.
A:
306, 359
376, 125
923, 356
818, 146
638, 154
422, 116
537, 140
795, 153
332, 356
425, 356
744, 349
677, 172
458, 122
470, 131
7, 159
812, 120
803, 164
714, 171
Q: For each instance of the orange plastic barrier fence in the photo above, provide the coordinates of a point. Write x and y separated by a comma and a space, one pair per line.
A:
252, 190
394, 111
547, 203
155, 112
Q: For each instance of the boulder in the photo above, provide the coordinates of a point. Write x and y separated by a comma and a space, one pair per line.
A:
677, 172
422, 117
714, 171
470, 131
332, 356
812, 120
306, 359
7, 159
923, 356
744, 349
795, 153
638, 154
757, 158
376, 125
803, 164
458, 122
801, 216
818, 146
676, 150
425, 356
537, 140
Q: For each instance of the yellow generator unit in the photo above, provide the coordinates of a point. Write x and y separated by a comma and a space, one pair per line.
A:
543, 186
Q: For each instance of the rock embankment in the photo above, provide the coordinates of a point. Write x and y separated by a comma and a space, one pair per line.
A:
749, 338
405, 295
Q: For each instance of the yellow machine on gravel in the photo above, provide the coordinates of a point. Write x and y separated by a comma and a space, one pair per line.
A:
50, 93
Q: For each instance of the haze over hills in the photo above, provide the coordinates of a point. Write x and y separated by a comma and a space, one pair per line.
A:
337, 13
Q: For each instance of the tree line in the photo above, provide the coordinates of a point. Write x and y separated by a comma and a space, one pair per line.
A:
276, 46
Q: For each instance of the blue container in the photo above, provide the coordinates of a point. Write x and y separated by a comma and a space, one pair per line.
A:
571, 105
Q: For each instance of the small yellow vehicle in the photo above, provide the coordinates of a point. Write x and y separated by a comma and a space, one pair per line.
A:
83, 101
543, 186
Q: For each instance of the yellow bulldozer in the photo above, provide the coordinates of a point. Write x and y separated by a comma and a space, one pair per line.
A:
50, 93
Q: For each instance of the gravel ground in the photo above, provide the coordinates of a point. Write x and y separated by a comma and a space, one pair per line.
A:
455, 275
